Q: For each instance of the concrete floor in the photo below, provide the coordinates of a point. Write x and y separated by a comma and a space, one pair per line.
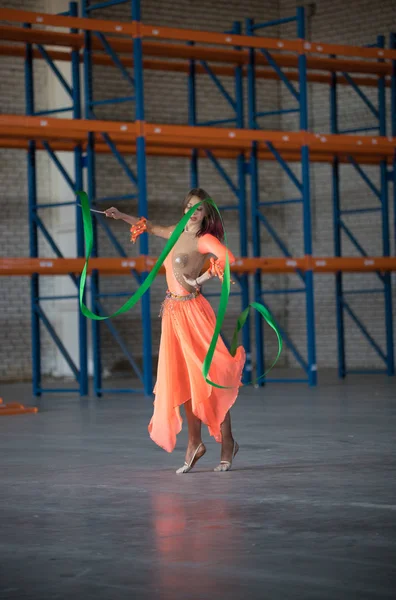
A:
90, 508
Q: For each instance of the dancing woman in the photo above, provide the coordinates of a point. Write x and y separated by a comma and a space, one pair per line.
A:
188, 323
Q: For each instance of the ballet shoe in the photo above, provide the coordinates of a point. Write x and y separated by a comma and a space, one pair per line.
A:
225, 465
188, 466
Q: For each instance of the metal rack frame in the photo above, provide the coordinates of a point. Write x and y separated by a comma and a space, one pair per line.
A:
235, 55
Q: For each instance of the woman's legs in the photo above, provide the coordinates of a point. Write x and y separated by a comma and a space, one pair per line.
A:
227, 443
194, 433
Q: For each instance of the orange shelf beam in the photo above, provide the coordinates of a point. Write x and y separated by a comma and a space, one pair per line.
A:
130, 148
121, 266
182, 67
45, 128
132, 28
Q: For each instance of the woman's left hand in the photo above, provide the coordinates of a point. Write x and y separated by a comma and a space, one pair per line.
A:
192, 282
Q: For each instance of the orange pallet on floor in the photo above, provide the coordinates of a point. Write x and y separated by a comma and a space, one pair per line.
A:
15, 408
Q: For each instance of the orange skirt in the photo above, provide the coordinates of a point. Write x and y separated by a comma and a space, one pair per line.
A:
187, 330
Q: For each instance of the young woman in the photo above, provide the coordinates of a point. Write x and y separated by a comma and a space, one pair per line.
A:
188, 323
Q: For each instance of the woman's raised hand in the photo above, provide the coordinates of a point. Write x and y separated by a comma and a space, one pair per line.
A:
114, 213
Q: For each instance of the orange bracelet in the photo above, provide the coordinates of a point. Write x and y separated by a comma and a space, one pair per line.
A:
216, 270
139, 228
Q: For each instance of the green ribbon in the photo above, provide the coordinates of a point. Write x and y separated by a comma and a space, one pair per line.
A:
224, 296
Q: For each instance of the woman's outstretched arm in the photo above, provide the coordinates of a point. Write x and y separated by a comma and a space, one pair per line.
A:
158, 230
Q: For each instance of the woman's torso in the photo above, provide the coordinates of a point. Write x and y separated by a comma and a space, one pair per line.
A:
184, 259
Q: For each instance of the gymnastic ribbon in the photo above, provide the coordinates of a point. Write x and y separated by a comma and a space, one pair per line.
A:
224, 296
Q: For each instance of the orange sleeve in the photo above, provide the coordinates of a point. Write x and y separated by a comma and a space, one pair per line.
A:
209, 244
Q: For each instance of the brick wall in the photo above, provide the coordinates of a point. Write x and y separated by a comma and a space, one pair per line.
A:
168, 178
358, 22
15, 353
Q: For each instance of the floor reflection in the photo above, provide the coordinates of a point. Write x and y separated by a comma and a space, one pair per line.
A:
192, 536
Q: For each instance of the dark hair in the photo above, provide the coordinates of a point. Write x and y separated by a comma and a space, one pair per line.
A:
211, 222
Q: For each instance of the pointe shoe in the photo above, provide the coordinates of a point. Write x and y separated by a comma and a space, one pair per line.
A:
188, 466
225, 465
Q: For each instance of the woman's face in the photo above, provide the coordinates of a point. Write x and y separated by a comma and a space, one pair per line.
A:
198, 216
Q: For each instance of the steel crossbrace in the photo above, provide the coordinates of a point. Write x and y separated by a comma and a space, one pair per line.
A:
220, 169
363, 329
105, 4
57, 341
290, 344
285, 166
114, 57
272, 62
365, 177
121, 161
274, 23
60, 166
52, 243
117, 245
56, 71
114, 332
113, 101
219, 85
361, 95
356, 244
115, 198
277, 240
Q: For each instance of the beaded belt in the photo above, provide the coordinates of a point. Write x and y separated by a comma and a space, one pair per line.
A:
182, 298
171, 296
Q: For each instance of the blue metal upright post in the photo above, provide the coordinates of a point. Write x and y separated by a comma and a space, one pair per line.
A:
137, 179
91, 186
33, 237
392, 45
254, 203
243, 225
142, 194
337, 229
259, 218
192, 119
381, 193
390, 362
78, 170
310, 310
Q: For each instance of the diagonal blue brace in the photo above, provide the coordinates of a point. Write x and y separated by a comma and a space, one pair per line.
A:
114, 57
278, 240
285, 166
117, 245
222, 172
365, 177
59, 166
115, 333
119, 158
55, 70
364, 331
219, 85
272, 62
355, 242
273, 234
57, 341
289, 342
361, 95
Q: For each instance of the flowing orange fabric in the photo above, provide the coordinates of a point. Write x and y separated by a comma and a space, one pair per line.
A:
187, 329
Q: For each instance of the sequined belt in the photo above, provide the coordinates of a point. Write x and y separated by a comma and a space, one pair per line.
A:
183, 297
171, 296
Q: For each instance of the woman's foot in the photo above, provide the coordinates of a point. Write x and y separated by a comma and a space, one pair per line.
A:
228, 451
193, 454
